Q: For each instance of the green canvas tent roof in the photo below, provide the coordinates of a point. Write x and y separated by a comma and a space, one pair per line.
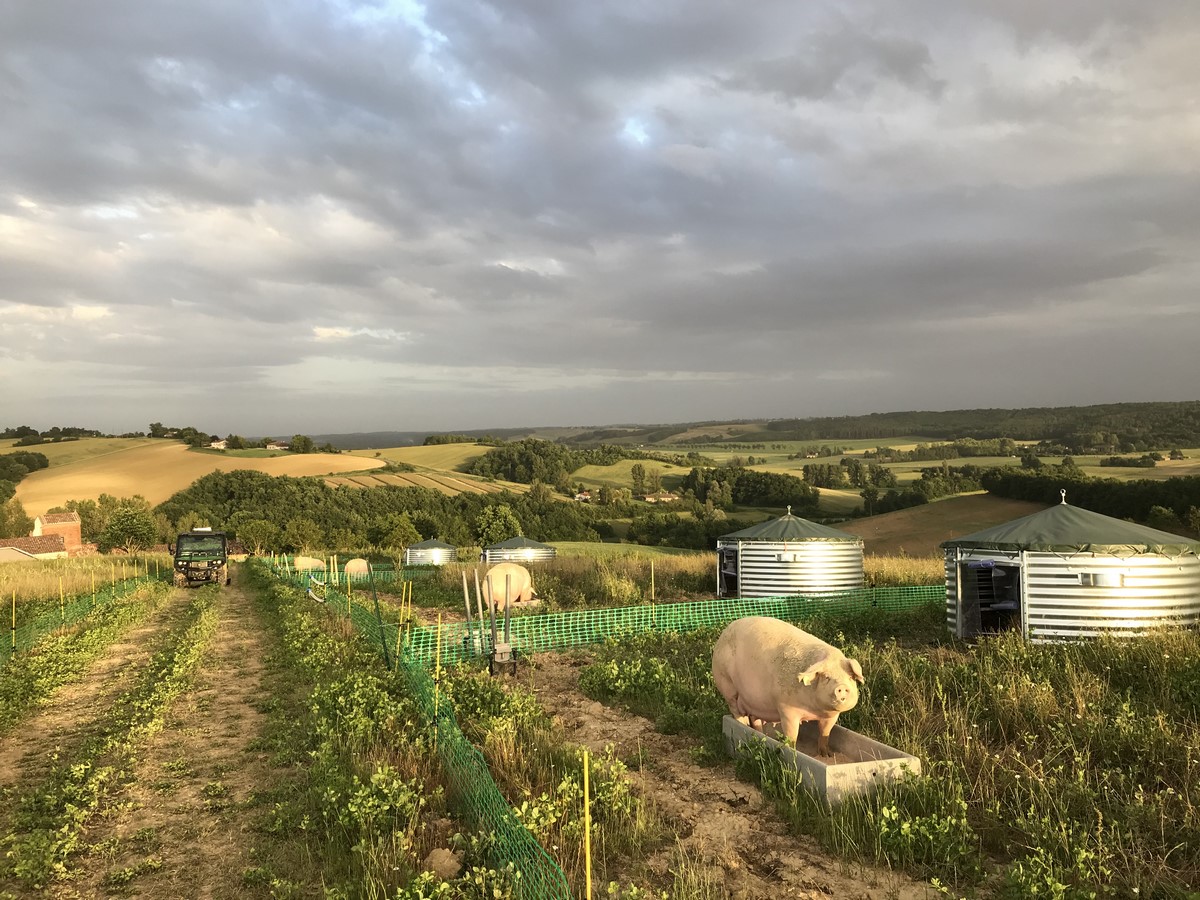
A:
1068, 529
789, 528
432, 544
518, 543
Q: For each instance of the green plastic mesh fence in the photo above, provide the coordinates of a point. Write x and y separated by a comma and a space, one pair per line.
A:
25, 636
560, 631
471, 786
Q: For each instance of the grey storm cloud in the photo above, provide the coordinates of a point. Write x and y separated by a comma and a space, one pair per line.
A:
485, 213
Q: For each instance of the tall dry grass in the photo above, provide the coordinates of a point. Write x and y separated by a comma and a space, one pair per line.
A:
572, 582
903, 571
38, 582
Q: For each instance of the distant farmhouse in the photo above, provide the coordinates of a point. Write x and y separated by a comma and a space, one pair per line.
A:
661, 497
46, 546
67, 524
55, 535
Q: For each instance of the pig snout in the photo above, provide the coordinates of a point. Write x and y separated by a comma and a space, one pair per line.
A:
843, 697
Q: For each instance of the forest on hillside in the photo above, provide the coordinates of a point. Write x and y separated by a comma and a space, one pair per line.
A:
1114, 427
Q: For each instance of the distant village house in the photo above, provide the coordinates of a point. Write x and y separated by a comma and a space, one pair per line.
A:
46, 546
661, 497
66, 524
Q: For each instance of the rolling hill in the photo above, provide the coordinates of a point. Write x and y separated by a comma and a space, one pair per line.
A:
917, 531
156, 469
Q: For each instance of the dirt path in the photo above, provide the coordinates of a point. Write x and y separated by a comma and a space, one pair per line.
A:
73, 709
722, 823
179, 829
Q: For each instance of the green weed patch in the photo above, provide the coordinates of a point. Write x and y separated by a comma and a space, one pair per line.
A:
26, 681
47, 821
1063, 771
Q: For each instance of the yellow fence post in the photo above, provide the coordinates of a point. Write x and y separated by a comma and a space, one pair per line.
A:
587, 828
14, 623
62, 603
93, 587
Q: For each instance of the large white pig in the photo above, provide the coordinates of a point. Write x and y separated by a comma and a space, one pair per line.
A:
770, 671
357, 566
518, 580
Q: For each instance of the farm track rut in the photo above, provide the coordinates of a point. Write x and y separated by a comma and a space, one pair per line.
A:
67, 714
182, 824
721, 822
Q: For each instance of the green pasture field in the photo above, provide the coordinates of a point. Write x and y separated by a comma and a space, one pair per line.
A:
618, 475
778, 451
1167, 468
445, 457
595, 550
839, 503
68, 452
252, 453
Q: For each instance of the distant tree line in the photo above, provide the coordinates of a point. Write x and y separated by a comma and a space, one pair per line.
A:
15, 466
552, 463
435, 439
286, 513
725, 486
26, 436
1120, 499
1115, 427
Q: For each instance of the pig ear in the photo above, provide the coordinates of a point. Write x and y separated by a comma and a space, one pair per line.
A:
811, 674
854, 669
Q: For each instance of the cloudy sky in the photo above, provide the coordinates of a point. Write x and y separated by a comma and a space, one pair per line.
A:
269, 216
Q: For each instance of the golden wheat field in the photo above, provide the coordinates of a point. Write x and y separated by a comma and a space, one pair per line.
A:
157, 469
451, 457
451, 485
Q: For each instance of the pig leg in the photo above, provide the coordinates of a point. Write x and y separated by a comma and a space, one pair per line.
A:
826, 726
789, 725
735, 708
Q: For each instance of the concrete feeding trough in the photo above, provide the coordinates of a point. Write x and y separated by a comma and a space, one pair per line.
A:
857, 765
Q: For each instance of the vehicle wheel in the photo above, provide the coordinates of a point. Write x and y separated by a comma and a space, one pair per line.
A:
179, 579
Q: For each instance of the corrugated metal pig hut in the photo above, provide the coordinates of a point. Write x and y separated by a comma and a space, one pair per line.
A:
518, 550
788, 556
430, 553
1067, 573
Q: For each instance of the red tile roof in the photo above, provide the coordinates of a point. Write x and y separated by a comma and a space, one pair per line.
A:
46, 543
58, 518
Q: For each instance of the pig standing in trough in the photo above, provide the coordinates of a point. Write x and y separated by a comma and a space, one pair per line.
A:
520, 585
771, 671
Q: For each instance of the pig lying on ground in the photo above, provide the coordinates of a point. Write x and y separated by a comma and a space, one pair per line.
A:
770, 671
519, 584
302, 563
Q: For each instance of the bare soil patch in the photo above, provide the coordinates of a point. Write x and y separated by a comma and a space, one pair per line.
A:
722, 823
181, 827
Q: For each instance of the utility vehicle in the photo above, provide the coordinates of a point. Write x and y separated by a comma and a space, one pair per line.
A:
201, 556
